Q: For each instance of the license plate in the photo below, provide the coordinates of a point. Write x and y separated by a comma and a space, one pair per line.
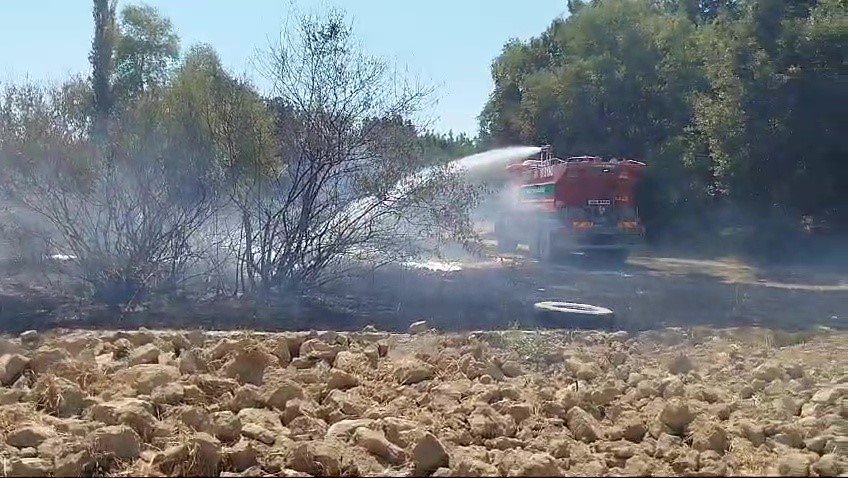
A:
599, 202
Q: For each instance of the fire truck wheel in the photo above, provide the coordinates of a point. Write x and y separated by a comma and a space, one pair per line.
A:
505, 243
541, 248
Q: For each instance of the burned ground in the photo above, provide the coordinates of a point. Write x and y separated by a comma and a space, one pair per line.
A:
647, 292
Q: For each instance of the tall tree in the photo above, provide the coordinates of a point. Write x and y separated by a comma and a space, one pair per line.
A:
574, 6
147, 48
735, 102
102, 59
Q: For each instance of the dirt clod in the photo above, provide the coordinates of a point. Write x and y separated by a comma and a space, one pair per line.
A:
27, 467
317, 458
75, 464
145, 377
710, 436
59, 397
583, 425
282, 393
147, 353
30, 338
11, 366
411, 372
241, 456
377, 444
432, 404
29, 436
794, 464
47, 358
830, 465
429, 454
512, 369
248, 366
676, 415
226, 426
119, 441
341, 380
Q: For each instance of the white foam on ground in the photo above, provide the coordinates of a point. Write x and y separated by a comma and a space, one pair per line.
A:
62, 257
436, 266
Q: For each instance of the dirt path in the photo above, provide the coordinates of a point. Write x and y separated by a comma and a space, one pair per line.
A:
696, 399
647, 292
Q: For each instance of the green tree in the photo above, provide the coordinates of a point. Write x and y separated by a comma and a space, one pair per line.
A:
701, 11
102, 59
219, 123
574, 6
772, 112
147, 47
733, 103
439, 148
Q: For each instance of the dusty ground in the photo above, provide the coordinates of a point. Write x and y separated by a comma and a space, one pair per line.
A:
692, 401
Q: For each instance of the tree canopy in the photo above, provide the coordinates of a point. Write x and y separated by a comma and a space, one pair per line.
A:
731, 102
146, 48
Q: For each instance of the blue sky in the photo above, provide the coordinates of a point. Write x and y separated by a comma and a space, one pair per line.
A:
449, 44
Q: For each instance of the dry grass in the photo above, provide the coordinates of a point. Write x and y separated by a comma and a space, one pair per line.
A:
781, 339
9, 421
530, 345
48, 394
749, 460
86, 374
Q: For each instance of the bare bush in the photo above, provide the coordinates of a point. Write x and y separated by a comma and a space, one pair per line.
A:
349, 183
127, 227
127, 233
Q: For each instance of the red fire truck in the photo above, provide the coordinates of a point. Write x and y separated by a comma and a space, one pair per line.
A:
578, 204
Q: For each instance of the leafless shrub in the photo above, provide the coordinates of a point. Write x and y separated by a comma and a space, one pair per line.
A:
127, 233
125, 225
349, 184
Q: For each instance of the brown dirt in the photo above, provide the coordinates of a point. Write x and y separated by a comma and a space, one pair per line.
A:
696, 401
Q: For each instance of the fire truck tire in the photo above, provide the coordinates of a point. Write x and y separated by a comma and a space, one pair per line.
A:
505, 242
573, 315
541, 247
